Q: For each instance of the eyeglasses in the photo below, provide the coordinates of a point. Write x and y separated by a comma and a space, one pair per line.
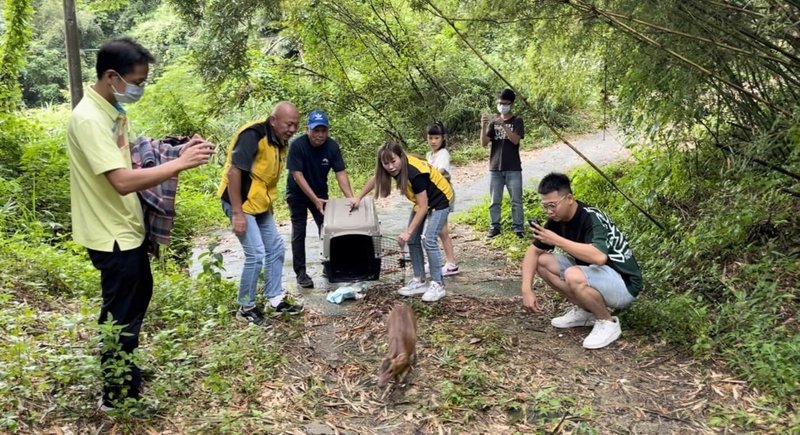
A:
141, 84
551, 206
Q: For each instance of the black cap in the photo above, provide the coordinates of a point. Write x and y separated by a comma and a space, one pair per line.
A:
507, 94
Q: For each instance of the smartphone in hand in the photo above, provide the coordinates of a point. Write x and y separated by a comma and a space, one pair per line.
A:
533, 221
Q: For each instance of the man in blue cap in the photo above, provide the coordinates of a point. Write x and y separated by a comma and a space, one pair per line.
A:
311, 157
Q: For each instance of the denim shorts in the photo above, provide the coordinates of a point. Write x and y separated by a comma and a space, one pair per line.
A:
604, 279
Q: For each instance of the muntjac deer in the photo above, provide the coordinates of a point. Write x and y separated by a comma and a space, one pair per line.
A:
402, 325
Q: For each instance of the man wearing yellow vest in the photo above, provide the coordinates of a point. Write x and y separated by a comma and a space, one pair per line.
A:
107, 216
248, 191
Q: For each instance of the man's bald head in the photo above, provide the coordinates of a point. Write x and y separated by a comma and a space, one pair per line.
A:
284, 120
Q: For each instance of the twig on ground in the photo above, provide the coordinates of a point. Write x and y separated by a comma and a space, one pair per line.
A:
659, 414
558, 426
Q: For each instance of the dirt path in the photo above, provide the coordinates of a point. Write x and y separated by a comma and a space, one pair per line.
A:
485, 365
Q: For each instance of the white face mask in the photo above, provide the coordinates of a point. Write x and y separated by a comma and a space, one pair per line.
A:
132, 92
503, 108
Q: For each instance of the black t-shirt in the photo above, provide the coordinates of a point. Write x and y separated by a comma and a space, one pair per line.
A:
590, 225
505, 154
423, 177
246, 149
315, 163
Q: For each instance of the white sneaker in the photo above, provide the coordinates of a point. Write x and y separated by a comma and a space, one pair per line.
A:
102, 407
449, 269
413, 288
603, 333
434, 293
574, 317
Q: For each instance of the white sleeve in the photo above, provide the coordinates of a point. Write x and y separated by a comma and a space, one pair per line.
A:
442, 160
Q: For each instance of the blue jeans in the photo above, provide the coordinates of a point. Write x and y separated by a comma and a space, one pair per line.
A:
512, 180
263, 247
436, 219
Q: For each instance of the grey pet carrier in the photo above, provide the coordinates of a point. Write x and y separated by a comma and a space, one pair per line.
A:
351, 241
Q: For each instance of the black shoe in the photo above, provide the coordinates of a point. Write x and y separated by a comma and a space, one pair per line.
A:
147, 374
252, 315
520, 234
288, 307
305, 281
494, 232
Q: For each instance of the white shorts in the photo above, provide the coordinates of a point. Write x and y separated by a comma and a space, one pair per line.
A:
607, 281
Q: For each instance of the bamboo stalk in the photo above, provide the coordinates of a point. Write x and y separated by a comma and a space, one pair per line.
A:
792, 80
736, 8
386, 38
629, 17
392, 131
644, 38
714, 27
413, 56
776, 168
746, 33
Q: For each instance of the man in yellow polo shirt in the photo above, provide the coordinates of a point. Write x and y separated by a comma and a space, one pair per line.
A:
106, 214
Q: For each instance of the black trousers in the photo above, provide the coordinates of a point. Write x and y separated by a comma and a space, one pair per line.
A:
127, 285
298, 210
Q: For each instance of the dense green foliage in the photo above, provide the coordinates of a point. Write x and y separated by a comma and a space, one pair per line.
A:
724, 277
15, 35
709, 89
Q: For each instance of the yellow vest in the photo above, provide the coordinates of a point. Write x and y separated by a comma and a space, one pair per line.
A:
439, 184
264, 175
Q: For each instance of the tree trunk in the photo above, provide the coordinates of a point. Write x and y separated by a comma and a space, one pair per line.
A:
73, 52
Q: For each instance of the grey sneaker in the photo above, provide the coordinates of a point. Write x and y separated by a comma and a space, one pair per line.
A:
413, 288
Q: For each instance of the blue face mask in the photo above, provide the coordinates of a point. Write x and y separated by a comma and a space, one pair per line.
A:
132, 92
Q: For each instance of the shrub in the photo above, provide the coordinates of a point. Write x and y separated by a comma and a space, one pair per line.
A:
722, 278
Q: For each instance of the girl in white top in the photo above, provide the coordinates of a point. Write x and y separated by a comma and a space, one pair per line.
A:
439, 158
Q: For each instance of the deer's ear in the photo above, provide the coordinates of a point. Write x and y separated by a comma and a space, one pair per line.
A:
385, 365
